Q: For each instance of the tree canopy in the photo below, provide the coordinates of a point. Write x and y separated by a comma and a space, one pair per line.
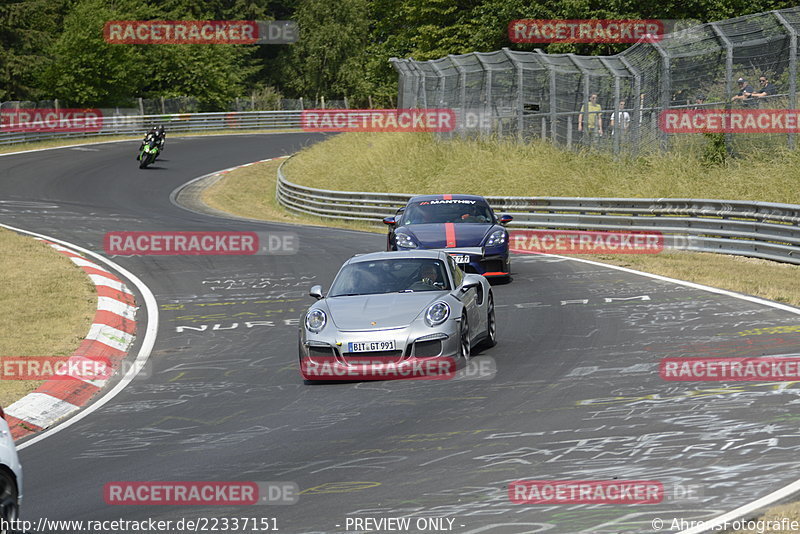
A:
55, 48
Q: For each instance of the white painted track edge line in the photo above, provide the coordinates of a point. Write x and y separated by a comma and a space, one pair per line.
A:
148, 341
712, 525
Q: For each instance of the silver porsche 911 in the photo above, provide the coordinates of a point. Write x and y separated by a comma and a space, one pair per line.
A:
388, 313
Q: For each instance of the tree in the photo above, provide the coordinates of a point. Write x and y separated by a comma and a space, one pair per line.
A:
27, 28
329, 57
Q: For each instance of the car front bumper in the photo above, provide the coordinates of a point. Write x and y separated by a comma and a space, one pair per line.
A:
419, 353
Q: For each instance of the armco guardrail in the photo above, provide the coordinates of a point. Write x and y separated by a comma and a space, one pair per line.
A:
174, 123
756, 229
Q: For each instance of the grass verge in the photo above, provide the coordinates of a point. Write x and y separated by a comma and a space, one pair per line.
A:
48, 305
417, 163
771, 280
250, 192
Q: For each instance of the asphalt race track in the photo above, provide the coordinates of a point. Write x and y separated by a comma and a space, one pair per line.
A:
576, 395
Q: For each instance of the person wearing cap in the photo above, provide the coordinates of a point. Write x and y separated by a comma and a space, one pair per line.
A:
745, 90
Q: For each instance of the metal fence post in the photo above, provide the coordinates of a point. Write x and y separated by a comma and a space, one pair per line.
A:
728, 78
462, 75
553, 102
487, 94
637, 112
616, 115
401, 83
440, 86
421, 85
666, 98
792, 68
587, 88
520, 92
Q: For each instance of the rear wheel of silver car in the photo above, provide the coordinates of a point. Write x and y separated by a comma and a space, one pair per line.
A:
464, 335
9, 502
491, 323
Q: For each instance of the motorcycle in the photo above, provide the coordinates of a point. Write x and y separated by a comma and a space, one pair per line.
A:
149, 152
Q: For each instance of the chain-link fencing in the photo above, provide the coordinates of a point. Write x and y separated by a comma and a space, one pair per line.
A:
550, 96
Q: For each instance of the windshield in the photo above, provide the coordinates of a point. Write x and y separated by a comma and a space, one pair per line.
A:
447, 211
391, 276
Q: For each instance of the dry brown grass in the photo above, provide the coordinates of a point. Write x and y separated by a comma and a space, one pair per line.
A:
763, 278
48, 305
417, 163
775, 514
250, 192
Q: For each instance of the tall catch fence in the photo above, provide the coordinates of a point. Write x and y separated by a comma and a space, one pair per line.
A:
534, 95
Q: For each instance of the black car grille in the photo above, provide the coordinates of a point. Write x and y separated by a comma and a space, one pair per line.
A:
320, 352
493, 266
427, 349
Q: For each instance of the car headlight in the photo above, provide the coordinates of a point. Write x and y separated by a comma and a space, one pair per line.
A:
405, 241
316, 320
497, 238
437, 313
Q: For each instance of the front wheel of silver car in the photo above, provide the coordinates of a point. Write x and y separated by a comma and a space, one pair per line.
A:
9, 503
465, 347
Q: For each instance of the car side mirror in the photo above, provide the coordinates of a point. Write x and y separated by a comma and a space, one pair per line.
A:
505, 219
316, 292
389, 220
471, 280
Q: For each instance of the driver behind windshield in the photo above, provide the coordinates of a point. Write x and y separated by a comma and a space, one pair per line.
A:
430, 276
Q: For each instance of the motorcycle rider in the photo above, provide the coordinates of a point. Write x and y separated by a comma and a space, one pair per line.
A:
156, 133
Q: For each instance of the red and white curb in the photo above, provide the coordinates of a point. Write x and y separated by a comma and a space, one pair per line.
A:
109, 338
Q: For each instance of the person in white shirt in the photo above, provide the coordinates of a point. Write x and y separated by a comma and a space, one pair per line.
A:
622, 118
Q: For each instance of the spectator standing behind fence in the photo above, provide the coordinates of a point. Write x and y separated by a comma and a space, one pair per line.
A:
699, 102
745, 92
594, 123
767, 89
622, 118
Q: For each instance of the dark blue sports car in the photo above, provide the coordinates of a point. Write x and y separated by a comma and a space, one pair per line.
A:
464, 226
